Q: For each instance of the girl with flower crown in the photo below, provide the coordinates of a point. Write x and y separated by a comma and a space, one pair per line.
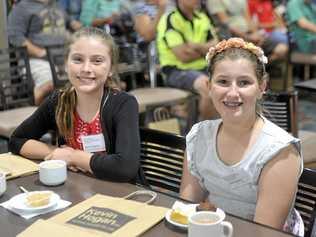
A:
242, 162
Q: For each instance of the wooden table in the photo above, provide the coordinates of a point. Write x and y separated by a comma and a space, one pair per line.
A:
79, 187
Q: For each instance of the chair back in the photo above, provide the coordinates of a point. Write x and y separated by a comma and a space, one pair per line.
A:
162, 157
281, 109
305, 202
16, 83
130, 64
56, 58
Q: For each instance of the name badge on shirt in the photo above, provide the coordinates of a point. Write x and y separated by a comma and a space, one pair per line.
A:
93, 143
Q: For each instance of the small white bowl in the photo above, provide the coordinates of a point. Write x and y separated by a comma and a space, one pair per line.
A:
53, 172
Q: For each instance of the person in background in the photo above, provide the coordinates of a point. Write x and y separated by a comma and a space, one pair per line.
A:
71, 7
146, 17
301, 16
266, 18
236, 16
37, 24
242, 162
183, 38
96, 125
100, 13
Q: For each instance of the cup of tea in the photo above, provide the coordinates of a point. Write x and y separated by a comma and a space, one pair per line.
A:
209, 223
53, 172
3, 183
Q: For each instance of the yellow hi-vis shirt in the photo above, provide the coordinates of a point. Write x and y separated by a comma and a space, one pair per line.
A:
175, 29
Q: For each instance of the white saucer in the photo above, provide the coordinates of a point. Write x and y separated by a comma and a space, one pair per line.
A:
168, 219
19, 204
182, 226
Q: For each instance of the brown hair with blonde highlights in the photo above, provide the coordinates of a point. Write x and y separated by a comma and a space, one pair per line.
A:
67, 100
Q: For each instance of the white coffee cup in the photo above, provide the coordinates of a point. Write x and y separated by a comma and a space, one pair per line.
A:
209, 223
3, 183
53, 172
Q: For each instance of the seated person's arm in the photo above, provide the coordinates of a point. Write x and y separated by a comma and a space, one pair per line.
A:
145, 26
187, 52
18, 27
224, 18
190, 188
25, 140
306, 24
102, 21
34, 50
204, 47
277, 188
35, 149
75, 159
253, 26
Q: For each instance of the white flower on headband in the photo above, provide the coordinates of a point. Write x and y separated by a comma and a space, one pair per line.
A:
236, 43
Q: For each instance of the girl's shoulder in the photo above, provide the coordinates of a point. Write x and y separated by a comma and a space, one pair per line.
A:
203, 129
276, 133
116, 98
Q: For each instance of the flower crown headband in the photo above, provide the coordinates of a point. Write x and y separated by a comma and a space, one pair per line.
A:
236, 43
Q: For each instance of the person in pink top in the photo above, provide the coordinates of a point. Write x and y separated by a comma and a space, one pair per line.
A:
267, 19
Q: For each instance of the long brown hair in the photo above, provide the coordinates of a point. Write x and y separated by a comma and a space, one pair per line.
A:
67, 100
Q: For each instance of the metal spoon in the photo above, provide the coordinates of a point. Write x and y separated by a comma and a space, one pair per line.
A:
23, 189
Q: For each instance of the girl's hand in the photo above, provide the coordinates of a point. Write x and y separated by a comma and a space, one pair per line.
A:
63, 153
77, 169
73, 168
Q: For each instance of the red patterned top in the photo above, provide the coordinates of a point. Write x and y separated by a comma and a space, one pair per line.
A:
83, 129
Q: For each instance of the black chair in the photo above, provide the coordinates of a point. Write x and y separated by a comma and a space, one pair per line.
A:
15, 77
16, 89
305, 202
281, 108
56, 58
162, 157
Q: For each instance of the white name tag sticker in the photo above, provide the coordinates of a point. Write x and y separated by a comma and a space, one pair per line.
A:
93, 143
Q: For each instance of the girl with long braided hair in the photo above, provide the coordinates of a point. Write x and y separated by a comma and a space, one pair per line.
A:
96, 124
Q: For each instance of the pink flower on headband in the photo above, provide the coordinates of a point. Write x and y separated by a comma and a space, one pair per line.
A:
236, 43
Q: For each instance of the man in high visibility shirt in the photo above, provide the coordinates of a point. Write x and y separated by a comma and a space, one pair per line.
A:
183, 38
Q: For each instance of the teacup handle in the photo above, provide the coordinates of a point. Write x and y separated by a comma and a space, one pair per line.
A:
229, 227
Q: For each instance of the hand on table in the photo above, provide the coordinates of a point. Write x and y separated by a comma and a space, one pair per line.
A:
62, 153
77, 169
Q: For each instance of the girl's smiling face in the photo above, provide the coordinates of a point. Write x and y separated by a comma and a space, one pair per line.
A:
235, 89
88, 64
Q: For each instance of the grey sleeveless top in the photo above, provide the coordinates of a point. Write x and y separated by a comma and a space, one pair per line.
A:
233, 188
